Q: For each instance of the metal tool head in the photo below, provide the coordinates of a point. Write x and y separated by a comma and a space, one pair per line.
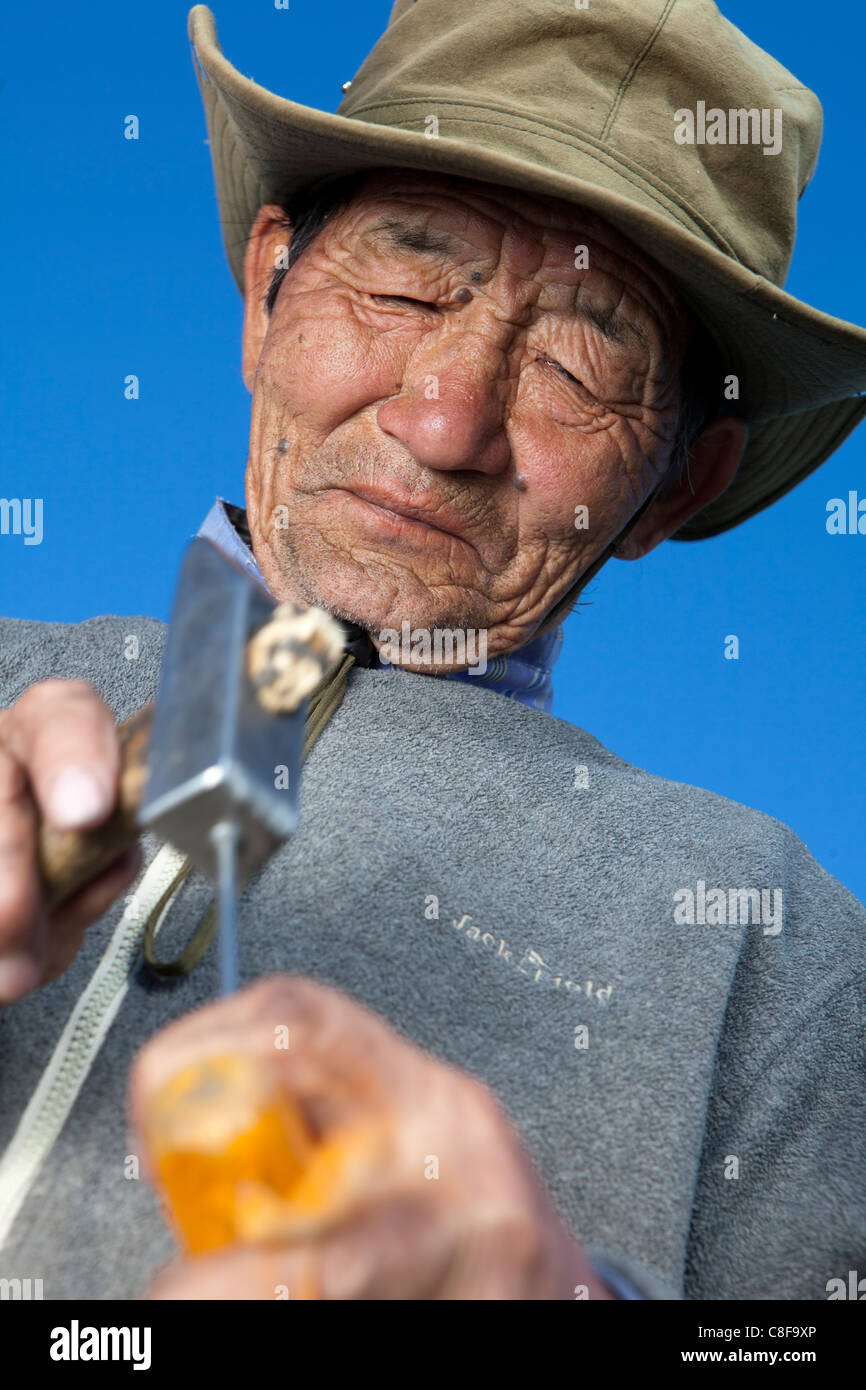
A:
216, 754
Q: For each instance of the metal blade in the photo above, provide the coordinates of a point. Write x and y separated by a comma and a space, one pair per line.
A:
215, 753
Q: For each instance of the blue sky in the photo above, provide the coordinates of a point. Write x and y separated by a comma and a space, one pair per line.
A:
114, 265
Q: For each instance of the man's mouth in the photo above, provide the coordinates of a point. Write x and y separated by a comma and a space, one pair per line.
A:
408, 520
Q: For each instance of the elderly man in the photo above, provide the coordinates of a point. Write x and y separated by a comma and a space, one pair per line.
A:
507, 314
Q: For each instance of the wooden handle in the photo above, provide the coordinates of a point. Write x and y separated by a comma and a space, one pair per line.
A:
70, 858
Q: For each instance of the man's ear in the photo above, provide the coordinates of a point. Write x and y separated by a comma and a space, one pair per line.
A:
266, 249
712, 465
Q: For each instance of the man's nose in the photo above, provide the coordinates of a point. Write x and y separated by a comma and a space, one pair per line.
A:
454, 417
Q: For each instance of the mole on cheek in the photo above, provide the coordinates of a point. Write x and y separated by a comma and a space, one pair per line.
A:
463, 296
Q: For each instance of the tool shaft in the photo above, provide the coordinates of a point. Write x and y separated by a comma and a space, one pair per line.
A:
225, 837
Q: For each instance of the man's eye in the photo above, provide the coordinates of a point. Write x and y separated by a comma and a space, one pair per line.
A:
402, 299
551, 363
583, 392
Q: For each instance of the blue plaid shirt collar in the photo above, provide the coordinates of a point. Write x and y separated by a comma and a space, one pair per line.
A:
525, 675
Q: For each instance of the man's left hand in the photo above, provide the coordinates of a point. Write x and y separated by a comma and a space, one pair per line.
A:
455, 1210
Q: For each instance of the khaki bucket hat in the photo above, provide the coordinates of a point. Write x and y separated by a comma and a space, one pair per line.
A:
659, 115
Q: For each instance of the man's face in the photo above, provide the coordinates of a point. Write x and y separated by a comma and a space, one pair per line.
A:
446, 379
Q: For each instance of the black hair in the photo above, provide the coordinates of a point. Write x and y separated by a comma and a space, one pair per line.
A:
701, 399
306, 213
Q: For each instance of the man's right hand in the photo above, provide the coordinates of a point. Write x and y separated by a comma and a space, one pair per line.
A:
59, 760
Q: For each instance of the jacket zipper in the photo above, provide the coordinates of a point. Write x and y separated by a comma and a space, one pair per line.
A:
80, 1041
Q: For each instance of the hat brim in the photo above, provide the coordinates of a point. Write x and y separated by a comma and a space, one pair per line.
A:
801, 372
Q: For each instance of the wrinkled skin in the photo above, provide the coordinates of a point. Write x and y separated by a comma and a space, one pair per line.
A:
469, 386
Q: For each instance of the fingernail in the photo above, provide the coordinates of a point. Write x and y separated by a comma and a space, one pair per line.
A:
19, 974
77, 798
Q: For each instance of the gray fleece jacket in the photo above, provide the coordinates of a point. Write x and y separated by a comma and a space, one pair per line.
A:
663, 987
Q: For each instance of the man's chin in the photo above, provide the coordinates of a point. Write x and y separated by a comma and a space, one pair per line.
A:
408, 631
375, 607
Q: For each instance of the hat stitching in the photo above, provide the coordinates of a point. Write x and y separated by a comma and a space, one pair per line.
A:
635, 64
